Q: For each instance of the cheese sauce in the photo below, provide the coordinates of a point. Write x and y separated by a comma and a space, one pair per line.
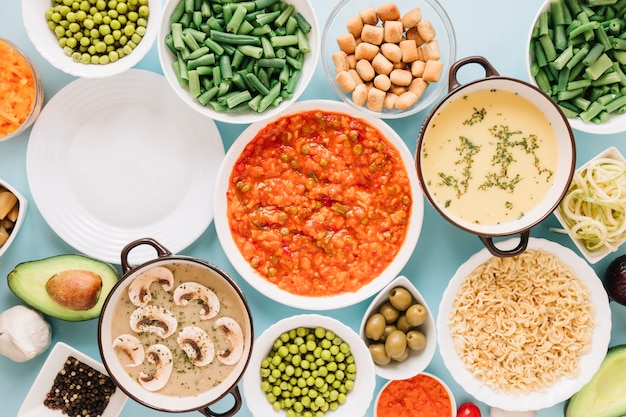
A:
489, 156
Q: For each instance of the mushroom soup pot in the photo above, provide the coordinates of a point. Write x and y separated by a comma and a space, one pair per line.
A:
176, 334
495, 156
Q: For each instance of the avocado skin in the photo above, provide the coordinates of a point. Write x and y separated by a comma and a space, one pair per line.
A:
28, 282
605, 394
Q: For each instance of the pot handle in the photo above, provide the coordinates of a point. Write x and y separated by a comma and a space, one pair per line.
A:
206, 411
160, 249
453, 83
521, 246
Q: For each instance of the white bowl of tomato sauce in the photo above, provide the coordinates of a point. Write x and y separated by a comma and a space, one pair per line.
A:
423, 394
318, 208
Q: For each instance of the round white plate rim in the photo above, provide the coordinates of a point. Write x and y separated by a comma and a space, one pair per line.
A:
41, 177
564, 387
366, 375
274, 292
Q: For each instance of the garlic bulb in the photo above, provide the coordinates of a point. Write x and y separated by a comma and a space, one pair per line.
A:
24, 333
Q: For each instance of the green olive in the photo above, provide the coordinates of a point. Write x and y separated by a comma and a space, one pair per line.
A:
400, 298
395, 343
379, 355
404, 355
391, 314
388, 329
416, 340
416, 315
403, 324
375, 326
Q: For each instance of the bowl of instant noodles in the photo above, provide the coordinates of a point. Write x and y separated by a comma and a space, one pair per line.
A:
504, 321
591, 211
318, 208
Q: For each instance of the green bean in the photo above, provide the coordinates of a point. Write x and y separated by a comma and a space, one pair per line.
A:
586, 73
238, 53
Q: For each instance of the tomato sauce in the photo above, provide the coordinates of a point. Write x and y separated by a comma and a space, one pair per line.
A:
319, 203
419, 396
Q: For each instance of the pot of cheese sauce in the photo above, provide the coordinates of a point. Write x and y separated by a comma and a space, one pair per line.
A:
495, 156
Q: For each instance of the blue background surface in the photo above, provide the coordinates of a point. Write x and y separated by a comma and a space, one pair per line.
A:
495, 29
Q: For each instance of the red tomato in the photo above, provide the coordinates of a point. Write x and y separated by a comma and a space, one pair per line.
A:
468, 410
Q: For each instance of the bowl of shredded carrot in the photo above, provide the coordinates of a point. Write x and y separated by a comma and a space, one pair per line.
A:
21, 89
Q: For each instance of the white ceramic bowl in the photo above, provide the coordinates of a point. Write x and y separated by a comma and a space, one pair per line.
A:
46, 43
358, 400
562, 388
22, 206
167, 58
417, 361
597, 255
281, 295
431, 10
423, 374
38, 94
617, 122
33, 405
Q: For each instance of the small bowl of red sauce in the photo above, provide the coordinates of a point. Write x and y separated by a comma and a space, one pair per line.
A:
423, 394
318, 208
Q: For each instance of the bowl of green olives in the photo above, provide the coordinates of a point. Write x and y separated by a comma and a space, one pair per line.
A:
399, 331
92, 39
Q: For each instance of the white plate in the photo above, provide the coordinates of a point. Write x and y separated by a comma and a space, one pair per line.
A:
562, 388
358, 400
116, 159
33, 405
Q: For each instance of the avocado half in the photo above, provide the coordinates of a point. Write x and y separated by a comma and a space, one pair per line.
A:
30, 282
605, 394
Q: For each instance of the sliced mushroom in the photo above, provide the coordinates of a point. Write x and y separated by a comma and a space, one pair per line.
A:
188, 291
231, 329
153, 319
139, 288
161, 357
131, 347
197, 345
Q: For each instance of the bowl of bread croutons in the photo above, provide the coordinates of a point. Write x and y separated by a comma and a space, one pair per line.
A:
388, 59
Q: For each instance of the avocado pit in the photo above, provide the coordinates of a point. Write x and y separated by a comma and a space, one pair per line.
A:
75, 289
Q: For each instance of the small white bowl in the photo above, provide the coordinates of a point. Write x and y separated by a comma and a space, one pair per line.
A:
592, 256
22, 206
167, 58
617, 122
417, 361
426, 374
358, 400
46, 43
33, 405
431, 10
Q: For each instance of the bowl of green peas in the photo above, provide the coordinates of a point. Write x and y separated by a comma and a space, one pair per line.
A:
92, 38
577, 55
238, 62
309, 364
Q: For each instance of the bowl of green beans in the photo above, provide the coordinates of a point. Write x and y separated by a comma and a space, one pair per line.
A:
238, 62
577, 55
309, 363
92, 38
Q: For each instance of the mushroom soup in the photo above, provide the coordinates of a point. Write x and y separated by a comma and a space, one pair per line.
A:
179, 329
489, 156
